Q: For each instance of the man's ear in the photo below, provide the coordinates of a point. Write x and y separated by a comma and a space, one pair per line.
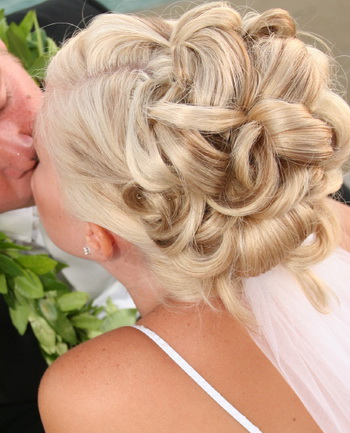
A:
100, 241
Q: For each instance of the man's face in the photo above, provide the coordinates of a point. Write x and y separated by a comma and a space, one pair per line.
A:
20, 99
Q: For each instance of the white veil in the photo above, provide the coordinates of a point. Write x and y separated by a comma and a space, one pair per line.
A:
310, 349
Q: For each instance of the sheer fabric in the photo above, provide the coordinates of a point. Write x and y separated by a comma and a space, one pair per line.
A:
310, 349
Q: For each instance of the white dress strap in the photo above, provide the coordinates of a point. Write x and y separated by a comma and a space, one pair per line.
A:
199, 380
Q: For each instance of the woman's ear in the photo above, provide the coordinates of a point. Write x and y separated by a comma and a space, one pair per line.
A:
99, 241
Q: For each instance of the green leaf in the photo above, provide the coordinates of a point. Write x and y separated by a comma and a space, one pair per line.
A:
19, 317
27, 23
48, 358
9, 266
73, 301
57, 320
51, 48
93, 334
52, 284
40, 37
40, 264
65, 329
119, 318
2, 235
12, 253
60, 266
86, 321
89, 308
29, 285
44, 333
18, 46
49, 310
5, 245
110, 306
38, 68
3, 284
10, 299
61, 348
3, 29
29, 43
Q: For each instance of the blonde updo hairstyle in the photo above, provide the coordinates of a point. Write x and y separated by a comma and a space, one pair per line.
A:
210, 142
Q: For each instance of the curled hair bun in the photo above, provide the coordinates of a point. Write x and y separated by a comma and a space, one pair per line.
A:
214, 141
210, 34
276, 22
293, 132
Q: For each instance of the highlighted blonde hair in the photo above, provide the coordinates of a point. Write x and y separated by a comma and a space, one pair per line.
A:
210, 142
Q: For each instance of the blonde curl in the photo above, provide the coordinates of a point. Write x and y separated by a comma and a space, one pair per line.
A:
210, 142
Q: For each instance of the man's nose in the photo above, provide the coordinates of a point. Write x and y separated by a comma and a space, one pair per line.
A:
17, 154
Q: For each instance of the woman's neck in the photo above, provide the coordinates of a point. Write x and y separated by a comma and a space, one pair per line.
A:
131, 271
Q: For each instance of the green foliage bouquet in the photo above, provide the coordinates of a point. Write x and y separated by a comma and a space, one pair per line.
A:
33, 287
28, 42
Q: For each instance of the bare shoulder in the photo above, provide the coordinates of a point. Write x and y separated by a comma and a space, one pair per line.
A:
93, 386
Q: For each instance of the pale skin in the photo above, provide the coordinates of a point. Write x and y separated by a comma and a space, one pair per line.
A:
20, 99
122, 382
343, 211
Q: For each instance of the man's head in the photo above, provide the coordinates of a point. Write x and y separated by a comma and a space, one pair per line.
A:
20, 100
